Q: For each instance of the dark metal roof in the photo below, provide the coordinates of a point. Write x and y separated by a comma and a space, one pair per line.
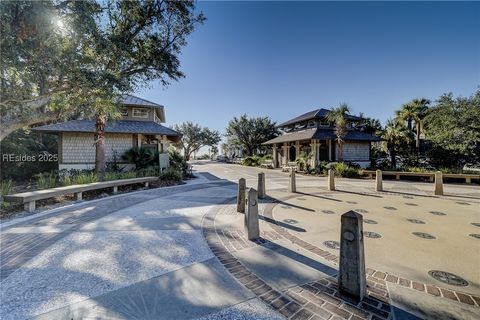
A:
114, 126
129, 100
293, 136
322, 134
315, 114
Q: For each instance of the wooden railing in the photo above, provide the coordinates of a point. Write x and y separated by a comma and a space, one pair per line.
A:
430, 175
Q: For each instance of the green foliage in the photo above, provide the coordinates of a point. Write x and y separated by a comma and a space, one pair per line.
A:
141, 157
304, 161
46, 180
6, 187
344, 170
250, 133
195, 137
178, 162
112, 175
32, 145
171, 174
252, 161
147, 172
453, 129
58, 57
338, 116
84, 178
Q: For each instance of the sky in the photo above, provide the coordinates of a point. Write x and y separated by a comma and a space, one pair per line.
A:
282, 59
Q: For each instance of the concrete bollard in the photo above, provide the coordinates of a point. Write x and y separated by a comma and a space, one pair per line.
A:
331, 179
438, 189
242, 185
261, 185
378, 180
252, 228
292, 185
352, 279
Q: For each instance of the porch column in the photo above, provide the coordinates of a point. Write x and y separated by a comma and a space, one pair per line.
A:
285, 154
330, 150
297, 149
274, 155
314, 152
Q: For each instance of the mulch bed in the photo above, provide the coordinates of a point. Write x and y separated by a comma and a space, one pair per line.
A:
15, 210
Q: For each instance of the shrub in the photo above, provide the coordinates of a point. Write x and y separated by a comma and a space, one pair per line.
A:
303, 161
141, 157
252, 161
6, 187
171, 174
46, 180
177, 161
84, 178
151, 171
321, 167
344, 170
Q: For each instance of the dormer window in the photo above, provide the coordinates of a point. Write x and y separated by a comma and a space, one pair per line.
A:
124, 112
311, 123
140, 113
324, 123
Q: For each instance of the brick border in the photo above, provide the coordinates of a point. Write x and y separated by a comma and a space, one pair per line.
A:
375, 279
314, 300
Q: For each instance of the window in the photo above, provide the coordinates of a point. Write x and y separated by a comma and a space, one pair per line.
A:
140, 113
311, 124
324, 123
124, 112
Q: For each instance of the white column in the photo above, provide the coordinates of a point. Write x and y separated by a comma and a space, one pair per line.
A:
330, 150
285, 154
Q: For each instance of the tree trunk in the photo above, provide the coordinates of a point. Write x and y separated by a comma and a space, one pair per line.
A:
340, 151
418, 138
99, 136
409, 124
393, 156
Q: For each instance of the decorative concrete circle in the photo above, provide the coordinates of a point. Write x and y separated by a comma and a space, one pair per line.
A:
372, 235
476, 224
463, 203
390, 208
448, 278
328, 211
332, 244
416, 221
361, 210
290, 221
424, 235
475, 235
411, 204
352, 202
370, 221
407, 197
438, 213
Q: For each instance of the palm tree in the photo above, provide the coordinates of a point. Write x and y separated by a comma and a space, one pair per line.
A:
414, 110
395, 132
338, 116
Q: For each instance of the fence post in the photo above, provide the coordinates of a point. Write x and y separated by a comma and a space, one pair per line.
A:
331, 179
352, 279
241, 195
438, 189
252, 228
378, 180
292, 185
261, 185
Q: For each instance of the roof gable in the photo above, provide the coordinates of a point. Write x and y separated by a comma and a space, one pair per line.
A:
315, 114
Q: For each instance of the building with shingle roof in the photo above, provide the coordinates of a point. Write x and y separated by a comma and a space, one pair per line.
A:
313, 134
140, 125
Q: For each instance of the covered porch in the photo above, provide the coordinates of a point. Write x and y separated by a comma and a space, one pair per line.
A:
288, 147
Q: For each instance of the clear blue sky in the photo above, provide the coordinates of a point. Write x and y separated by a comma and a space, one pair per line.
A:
282, 59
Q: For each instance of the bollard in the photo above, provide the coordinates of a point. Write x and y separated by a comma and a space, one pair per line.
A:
241, 195
331, 179
352, 279
252, 228
292, 185
378, 180
261, 185
438, 189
